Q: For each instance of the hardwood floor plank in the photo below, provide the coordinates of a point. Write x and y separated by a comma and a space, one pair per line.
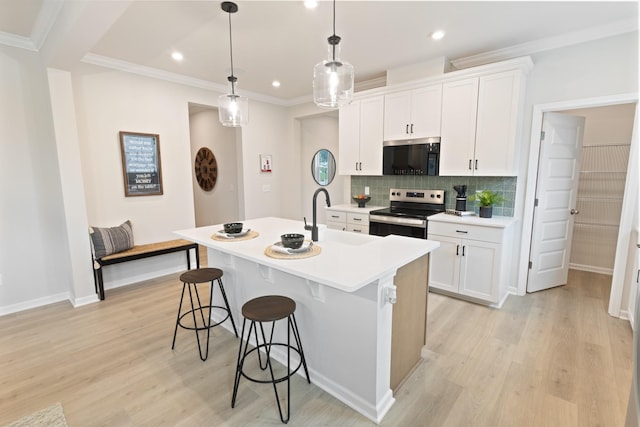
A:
552, 358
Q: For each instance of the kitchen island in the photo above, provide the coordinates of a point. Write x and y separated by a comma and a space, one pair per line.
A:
344, 296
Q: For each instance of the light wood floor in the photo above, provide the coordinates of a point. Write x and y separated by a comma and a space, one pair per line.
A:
554, 358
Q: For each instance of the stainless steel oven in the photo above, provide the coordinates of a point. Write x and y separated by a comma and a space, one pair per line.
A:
408, 212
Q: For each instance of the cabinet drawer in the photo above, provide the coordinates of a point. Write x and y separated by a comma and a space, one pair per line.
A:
336, 216
355, 228
342, 226
463, 231
357, 218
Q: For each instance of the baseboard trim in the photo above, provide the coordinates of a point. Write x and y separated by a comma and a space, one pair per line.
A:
592, 269
34, 303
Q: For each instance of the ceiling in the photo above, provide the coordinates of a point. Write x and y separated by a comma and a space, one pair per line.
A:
283, 40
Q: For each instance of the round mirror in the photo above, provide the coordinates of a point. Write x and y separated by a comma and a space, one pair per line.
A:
323, 167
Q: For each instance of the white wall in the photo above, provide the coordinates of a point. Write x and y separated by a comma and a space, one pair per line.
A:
35, 264
318, 132
220, 204
594, 69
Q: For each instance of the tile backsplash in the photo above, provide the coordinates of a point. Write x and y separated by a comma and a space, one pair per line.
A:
379, 188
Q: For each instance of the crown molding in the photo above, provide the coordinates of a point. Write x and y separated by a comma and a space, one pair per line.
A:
14, 40
45, 21
549, 43
129, 67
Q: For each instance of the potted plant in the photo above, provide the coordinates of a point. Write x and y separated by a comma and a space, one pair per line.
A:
486, 199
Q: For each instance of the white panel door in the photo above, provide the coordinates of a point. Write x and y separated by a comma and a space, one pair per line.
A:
556, 189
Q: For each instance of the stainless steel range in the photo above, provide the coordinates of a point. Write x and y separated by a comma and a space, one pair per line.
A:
408, 213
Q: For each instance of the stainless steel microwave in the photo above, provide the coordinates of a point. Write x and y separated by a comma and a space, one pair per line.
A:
412, 157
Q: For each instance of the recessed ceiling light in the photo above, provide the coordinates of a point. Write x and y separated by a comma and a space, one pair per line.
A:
437, 35
177, 56
275, 83
310, 4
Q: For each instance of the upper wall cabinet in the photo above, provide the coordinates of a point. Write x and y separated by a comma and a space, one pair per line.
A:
480, 118
360, 137
413, 113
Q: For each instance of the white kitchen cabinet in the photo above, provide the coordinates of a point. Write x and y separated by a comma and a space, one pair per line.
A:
349, 218
480, 122
413, 114
473, 260
360, 137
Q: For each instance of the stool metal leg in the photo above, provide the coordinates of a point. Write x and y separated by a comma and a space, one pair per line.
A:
296, 335
175, 332
226, 303
206, 325
241, 355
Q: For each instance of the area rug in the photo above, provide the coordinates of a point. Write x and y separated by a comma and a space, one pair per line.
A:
49, 417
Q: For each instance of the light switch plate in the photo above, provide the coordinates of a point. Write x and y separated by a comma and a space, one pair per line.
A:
366, 191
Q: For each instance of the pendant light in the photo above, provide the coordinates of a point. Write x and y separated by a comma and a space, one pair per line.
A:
333, 78
233, 109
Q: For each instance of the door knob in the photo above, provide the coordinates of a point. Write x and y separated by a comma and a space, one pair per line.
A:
574, 212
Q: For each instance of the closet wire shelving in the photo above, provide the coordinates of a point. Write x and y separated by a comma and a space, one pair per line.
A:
599, 201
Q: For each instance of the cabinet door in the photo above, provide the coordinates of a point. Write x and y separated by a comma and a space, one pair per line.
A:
459, 110
426, 112
480, 270
444, 264
349, 138
397, 113
371, 117
498, 102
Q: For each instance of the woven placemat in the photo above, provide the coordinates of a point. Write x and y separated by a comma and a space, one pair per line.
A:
250, 235
315, 250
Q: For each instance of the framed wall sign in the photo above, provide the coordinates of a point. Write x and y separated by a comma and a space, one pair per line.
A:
265, 163
141, 164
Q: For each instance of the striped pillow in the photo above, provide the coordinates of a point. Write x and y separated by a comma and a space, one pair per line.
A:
107, 241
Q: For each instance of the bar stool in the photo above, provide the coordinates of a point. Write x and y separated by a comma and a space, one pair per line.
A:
192, 278
270, 308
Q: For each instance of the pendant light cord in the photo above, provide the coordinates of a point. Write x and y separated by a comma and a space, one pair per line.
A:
232, 78
334, 31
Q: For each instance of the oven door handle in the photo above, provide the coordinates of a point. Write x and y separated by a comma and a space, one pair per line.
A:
410, 222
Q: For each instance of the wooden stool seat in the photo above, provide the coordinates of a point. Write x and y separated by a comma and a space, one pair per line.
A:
269, 308
201, 275
190, 280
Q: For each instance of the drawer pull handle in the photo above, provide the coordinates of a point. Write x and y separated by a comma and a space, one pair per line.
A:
463, 250
457, 250
461, 231
357, 219
335, 216
355, 230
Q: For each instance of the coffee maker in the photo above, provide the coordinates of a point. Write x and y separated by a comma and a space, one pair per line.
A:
461, 197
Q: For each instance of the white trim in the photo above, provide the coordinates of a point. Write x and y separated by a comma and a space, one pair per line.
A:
591, 269
34, 303
527, 222
14, 40
142, 70
79, 302
45, 21
549, 43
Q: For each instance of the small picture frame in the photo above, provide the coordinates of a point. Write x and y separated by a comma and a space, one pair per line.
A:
141, 164
266, 164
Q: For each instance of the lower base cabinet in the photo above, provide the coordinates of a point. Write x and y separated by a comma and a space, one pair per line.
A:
472, 261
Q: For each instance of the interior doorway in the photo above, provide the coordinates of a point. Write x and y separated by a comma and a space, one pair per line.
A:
220, 203
627, 219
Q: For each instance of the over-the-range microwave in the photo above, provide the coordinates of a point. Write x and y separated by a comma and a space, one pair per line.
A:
411, 157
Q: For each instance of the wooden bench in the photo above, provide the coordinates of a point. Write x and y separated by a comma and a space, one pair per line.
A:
140, 252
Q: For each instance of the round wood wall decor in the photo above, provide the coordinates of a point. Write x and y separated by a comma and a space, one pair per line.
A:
206, 169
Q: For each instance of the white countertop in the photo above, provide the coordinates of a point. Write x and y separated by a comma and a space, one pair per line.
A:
352, 207
348, 261
495, 221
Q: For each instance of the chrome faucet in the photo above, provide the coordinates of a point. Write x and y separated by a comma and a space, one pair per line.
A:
314, 227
